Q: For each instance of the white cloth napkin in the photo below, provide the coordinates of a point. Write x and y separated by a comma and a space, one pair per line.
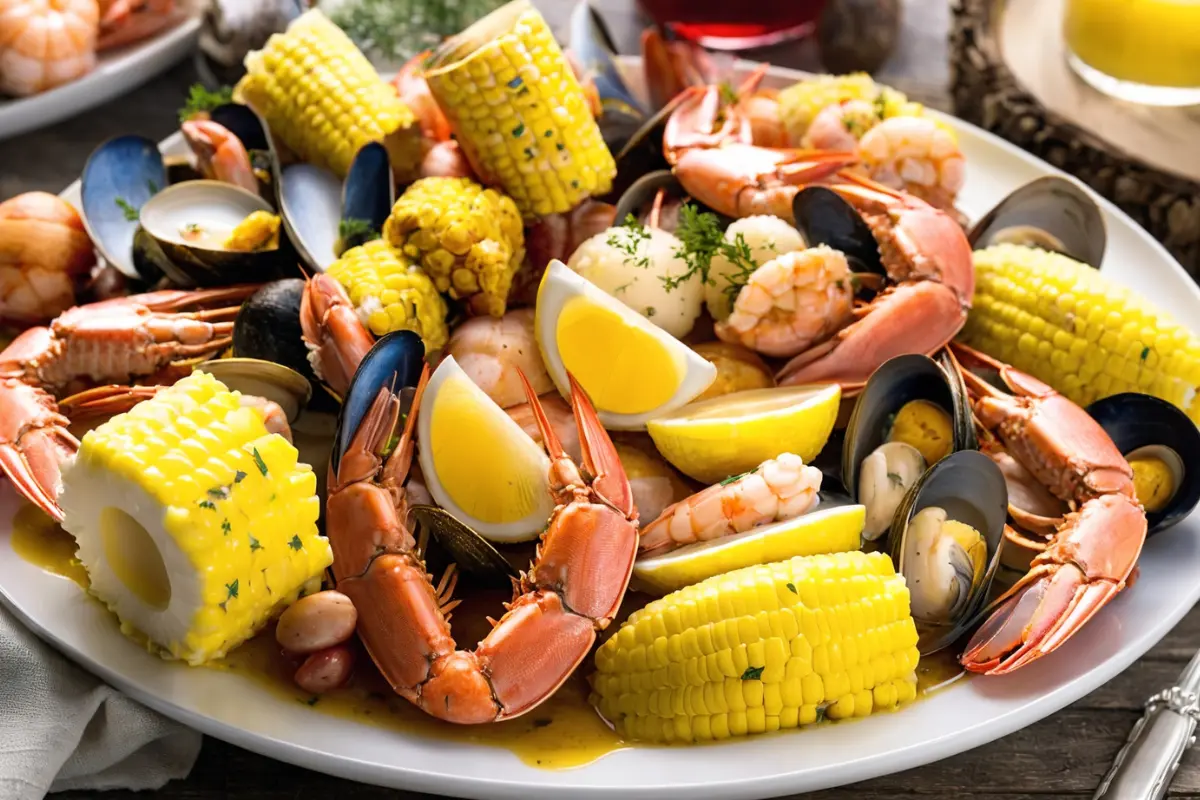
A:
61, 728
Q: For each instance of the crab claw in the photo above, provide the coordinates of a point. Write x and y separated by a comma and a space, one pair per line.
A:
1087, 564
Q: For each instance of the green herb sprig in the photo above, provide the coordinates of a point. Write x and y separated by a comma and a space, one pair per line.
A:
397, 30
630, 243
200, 100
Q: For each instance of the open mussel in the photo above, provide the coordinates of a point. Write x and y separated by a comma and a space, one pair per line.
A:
1052, 213
1163, 447
946, 540
247, 126
120, 176
445, 540
823, 217
206, 236
593, 48
911, 414
324, 216
642, 202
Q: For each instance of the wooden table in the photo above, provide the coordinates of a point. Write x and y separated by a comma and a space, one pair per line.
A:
1062, 756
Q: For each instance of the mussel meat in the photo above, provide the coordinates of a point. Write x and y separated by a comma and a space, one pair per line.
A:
911, 415
192, 224
1163, 447
1052, 213
946, 540
120, 176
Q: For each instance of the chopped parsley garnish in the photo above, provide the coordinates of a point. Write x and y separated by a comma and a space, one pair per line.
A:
254, 545
821, 712
354, 232
753, 673
517, 131
226, 527
201, 100
1145, 353
232, 589
701, 239
208, 504
728, 94
127, 208
258, 461
792, 588
239, 476
651, 311
312, 701
219, 493
630, 243
295, 543
733, 478
152, 186
622, 287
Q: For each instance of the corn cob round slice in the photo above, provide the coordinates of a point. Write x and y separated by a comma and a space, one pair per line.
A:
1069, 326
762, 648
391, 293
469, 239
194, 523
519, 113
324, 100
803, 100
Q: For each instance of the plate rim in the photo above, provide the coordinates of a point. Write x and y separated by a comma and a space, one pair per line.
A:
855, 769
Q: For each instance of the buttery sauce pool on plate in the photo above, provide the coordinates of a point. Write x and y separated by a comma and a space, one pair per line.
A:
563, 732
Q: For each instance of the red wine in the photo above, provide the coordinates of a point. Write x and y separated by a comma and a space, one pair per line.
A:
736, 24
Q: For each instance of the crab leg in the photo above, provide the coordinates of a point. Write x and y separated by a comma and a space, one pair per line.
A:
573, 588
333, 333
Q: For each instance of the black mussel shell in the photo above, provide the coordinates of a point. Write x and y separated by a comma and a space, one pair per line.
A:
244, 123
267, 327
151, 263
453, 542
395, 361
368, 195
180, 170
593, 46
970, 488
897, 382
823, 217
1053, 213
1134, 421
638, 197
637, 148
120, 176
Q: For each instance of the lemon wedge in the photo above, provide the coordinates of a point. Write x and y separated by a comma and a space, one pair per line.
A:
631, 369
478, 464
734, 433
830, 527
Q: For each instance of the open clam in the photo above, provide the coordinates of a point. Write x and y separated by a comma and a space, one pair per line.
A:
1052, 213
946, 540
120, 176
1163, 447
324, 216
266, 379
910, 415
191, 224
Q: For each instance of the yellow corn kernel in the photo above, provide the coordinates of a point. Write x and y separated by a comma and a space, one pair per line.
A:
758, 680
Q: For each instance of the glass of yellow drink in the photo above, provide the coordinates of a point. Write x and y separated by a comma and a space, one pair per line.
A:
1144, 51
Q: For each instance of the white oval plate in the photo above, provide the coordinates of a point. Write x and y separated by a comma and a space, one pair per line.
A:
961, 717
115, 74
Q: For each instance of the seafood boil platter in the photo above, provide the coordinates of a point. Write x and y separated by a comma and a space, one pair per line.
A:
758, 432
62, 59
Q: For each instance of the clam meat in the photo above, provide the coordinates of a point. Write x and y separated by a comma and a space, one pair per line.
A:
945, 561
885, 477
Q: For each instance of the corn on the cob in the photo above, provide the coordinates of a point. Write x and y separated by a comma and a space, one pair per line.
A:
762, 648
469, 239
194, 523
1087, 337
391, 293
519, 113
803, 100
322, 98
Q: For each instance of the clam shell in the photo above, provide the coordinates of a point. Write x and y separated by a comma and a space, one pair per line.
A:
1134, 421
215, 205
252, 376
310, 204
970, 488
1053, 213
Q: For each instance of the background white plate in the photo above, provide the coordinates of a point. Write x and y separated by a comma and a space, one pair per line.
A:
115, 74
966, 715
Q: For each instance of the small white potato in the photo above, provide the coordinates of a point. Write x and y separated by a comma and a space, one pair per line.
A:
632, 265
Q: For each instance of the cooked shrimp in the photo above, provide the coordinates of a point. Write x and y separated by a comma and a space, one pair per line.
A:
791, 303
779, 489
491, 350
124, 22
45, 43
916, 155
840, 126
